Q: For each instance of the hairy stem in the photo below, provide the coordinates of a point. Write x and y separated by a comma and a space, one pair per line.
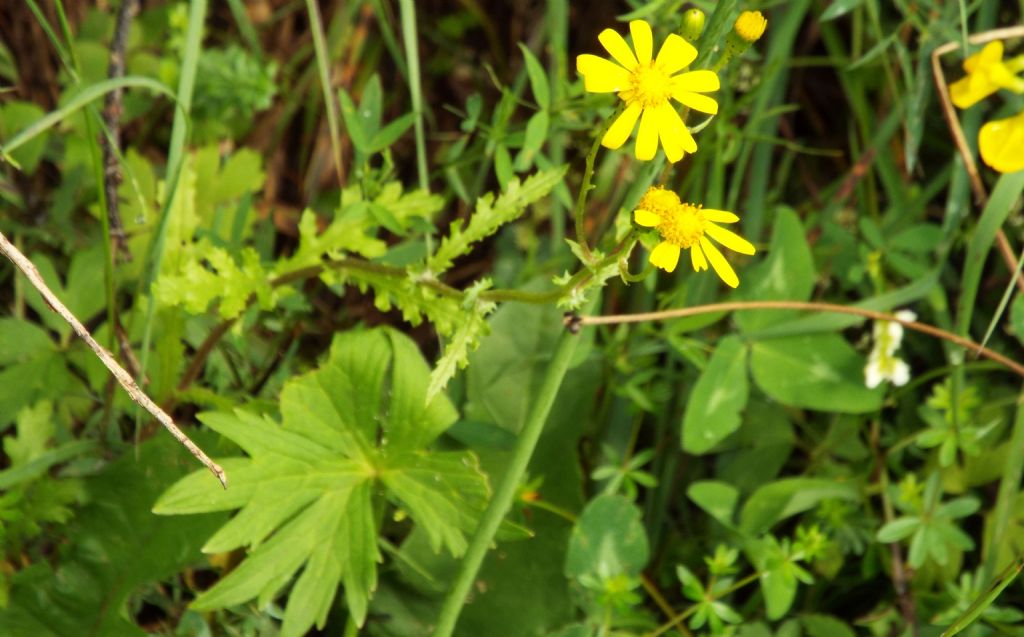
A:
506, 489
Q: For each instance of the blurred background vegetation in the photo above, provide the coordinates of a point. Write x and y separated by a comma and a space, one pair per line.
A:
728, 473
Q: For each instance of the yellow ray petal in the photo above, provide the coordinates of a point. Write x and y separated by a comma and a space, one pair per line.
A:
992, 53
601, 75
677, 130
719, 216
675, 55
718, 262
1002, 144
616, 45
696, 81
642, 40
697, 258
665, 256
647, 138
622, 128
729, 239
669, 125
646, 218
696, 101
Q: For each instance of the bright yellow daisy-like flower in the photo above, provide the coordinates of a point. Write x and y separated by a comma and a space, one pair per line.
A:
986, 74
647, 85
685, 226
1002, 144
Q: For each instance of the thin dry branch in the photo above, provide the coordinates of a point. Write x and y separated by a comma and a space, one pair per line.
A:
112, 119
575, 322
124, 378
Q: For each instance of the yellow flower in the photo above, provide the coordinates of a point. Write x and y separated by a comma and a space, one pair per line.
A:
1002, 144
986, 74
646, 85
686, 226
751, 25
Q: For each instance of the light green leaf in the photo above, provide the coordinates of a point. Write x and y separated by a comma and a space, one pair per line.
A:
22, 340
536, 135
16, 115
390, 133
717, 498
786, 274
456, 351
538, 78
779, 500
608, 539
718, 399
194, 285
820, 371
491, 214
898, 529
355, 425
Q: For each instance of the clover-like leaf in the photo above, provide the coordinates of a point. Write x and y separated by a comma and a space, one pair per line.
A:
356, 427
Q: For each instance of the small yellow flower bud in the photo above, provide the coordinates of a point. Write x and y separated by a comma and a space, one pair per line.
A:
693, 25
751, 25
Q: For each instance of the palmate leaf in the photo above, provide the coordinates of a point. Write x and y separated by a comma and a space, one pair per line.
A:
357, 426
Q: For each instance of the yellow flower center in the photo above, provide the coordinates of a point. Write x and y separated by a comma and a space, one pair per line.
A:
649, 86
682, 226
659, 201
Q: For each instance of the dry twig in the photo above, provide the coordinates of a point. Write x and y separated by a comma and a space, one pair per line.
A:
124, 378
575, 322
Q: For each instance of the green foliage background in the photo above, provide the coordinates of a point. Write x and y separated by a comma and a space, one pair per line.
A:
348, 250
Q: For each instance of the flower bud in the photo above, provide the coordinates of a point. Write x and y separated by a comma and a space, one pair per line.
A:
750, 26
693, 25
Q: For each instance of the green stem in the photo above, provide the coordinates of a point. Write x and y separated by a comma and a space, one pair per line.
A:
588, 174
506, 489
412, 59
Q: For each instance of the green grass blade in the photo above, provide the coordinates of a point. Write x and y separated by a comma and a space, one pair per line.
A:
88, 95
1003, 198
412, 58
978, 607
175, 157
323, 64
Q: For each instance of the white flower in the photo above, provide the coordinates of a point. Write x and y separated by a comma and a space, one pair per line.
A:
885, 367
882, 362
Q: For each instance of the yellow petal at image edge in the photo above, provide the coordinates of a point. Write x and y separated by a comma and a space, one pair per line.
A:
643, 40
622, 127
1002, 144
601, 75
617, 47
647, 138
646, 218
729, 239
675, 54
718, 262
665, 256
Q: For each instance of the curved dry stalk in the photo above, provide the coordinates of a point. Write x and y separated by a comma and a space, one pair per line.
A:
575, 322
124, 378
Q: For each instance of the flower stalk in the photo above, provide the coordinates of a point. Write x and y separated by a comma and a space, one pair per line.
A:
505, 493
